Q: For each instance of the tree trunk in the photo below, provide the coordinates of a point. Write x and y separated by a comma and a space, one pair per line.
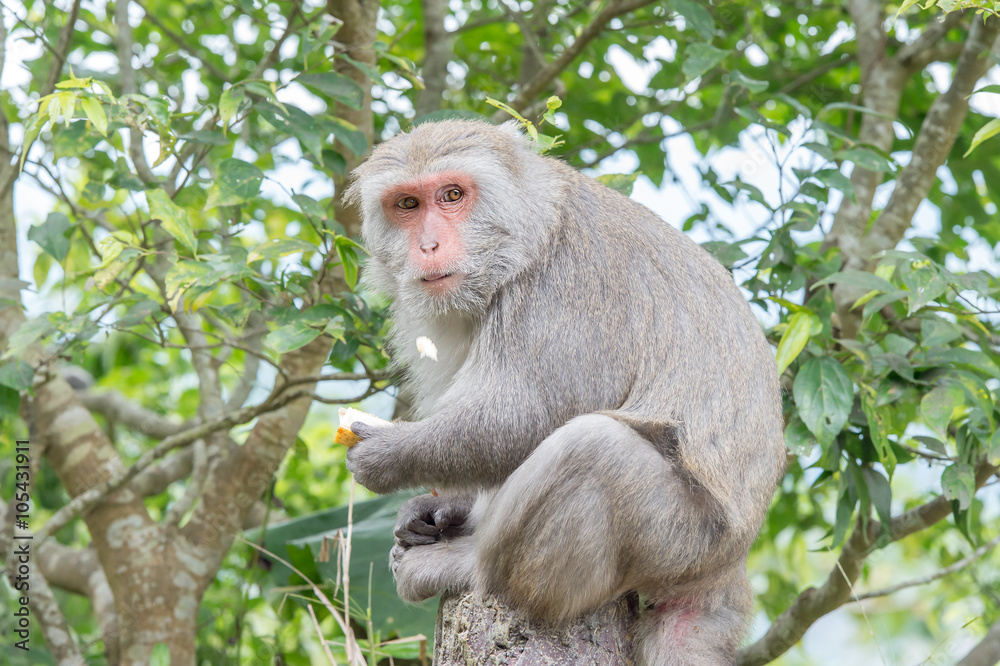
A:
480, 630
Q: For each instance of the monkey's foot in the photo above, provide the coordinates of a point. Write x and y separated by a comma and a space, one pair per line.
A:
422, 572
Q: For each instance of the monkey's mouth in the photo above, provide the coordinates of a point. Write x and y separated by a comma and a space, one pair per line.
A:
437, 277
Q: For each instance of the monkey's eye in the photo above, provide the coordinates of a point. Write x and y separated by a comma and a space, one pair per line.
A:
453, 194
407, 203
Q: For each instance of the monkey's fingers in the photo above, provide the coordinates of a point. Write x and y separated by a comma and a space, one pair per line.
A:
448, 517
363, 430
408, 538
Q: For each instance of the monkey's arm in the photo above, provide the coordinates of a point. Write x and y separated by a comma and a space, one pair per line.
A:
476, 440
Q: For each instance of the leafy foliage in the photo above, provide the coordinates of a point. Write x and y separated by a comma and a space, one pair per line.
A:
241, 110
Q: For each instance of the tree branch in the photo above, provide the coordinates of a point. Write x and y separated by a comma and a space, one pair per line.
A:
253, 336
935, 140
920, 52
183, 44
548, 74
813, 603
923, 580
94, 495
79, 572
126, 75
115, 407
55, 630
272, 56
438, 53
62, 49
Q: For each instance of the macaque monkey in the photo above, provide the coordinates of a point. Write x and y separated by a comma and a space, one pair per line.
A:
604, 415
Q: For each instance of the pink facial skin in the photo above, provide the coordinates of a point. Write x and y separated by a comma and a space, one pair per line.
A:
431, 211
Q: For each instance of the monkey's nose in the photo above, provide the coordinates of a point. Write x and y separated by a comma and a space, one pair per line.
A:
428, 248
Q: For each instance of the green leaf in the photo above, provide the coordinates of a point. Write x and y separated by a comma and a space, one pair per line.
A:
349, 259
620, 182
95, 114
824, 394
959, 484
906, 4
798, 439
753, 85
53, 235
925, 284
937, 407
880, 494
291, 337
337, 86
205, 137
310, 207
160, 655
230, 101
10, 404
992, 88
878, 430
141, 312
847, 106
349, 135
865, 158
882, 300
175, 220
695, 16
838, 181
987, 131
27, 334
823, 151
699, 58
846, 501
293, 121
279, 247
794, 339
937, 331
16, 374
803, 110
977, 392
237, 182
858, 279
953, 356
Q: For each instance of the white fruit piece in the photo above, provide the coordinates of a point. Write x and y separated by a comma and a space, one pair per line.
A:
349, 415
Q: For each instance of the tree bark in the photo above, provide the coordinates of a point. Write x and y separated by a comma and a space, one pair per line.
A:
472, 629
987, 652
438, 53
356, 39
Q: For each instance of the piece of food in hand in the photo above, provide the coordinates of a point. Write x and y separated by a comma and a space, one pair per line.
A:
348, 416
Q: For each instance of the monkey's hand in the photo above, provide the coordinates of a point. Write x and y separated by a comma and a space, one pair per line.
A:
378, 460
425, 519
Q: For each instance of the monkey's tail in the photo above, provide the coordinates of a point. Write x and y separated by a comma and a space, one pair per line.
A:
676, 632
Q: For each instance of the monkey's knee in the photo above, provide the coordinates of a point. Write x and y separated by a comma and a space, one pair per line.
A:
551, 521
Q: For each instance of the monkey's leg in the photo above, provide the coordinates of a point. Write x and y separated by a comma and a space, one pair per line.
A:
596, 511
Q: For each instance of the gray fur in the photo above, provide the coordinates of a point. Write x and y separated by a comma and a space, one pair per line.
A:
602, 385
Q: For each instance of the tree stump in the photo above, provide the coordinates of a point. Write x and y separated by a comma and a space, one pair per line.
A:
473, 630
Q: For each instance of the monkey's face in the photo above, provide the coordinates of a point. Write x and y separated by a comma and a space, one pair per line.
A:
430, 213
451, 212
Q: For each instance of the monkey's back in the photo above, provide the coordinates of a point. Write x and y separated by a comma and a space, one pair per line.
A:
663, 335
